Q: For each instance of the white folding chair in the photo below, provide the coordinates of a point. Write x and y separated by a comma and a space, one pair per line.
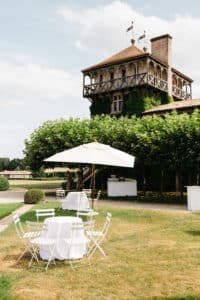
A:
89, 225
25, 237
50, 212
88, 193
34, 229
90, 213
77, 230
46, 242
94, 200
60, 194
98, 196
97, 237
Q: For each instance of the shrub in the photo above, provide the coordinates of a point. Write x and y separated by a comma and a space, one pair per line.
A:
34, 196
4, 184
64, 185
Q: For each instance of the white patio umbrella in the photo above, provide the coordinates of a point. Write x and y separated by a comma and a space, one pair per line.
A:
95, 154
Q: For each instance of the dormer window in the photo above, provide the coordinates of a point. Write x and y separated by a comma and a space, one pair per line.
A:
117, 104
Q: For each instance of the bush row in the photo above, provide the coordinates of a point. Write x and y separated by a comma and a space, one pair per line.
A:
4, 184
165, 148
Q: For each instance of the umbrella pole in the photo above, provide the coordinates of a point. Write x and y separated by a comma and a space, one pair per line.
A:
93, 184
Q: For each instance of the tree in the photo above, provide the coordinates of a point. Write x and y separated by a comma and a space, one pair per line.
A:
162, 146
4, 162
16, 163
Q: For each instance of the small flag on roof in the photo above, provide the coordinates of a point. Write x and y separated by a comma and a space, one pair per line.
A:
130, 27
142, 36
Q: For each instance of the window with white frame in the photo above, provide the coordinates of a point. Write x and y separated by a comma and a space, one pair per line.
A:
117, 104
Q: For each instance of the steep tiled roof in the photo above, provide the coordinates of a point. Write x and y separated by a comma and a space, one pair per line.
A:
125, 54
177, 105
182, 75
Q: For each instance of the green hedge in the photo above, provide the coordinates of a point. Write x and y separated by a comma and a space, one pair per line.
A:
4, 184
34, 196
165, 148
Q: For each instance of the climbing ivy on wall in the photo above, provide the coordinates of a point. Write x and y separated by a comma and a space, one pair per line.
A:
140, 100
135, 103
101, 105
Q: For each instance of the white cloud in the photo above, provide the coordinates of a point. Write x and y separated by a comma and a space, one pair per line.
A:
101, 30
31, 93
31, 80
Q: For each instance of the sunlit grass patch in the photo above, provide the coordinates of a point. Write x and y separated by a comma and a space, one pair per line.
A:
150, 255
6, 209
5, 285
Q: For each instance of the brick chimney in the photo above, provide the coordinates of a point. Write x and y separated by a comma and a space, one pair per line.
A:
161, 48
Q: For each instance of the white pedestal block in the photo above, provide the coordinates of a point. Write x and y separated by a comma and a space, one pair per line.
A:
118, 188
193, 198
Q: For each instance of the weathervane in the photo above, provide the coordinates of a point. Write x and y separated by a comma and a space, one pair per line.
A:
131, 28
144, 40
139, 39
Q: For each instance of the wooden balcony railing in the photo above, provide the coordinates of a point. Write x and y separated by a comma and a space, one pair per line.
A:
157, 82
125, 82
179, 93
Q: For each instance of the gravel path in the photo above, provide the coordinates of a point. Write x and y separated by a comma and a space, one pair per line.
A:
12, 196
18, 196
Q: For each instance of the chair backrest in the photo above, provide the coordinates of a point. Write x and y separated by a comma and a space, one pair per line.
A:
87, 192
34, 226
60, 193
49, 212
77, 230
90, 213
18, 226
77, 235
84, 212
107, 223
89, 225
82, 194
98, 195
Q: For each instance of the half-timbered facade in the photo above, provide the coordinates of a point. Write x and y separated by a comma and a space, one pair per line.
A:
132, 68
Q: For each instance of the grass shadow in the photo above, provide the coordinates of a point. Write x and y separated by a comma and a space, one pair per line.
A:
193, 232
188, 297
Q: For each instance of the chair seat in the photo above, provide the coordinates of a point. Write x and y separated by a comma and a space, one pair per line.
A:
93, 213
94, 233
43, 241
31, 234
88, 214
77, 241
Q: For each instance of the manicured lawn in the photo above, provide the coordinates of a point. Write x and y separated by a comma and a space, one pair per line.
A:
6, 209
150, 255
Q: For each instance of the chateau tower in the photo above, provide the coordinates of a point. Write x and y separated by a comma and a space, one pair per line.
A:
132, 68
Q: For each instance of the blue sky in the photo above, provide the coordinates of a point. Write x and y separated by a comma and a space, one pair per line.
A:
44, 45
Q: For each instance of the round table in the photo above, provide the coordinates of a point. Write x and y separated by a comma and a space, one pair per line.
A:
76, 201
59, 228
